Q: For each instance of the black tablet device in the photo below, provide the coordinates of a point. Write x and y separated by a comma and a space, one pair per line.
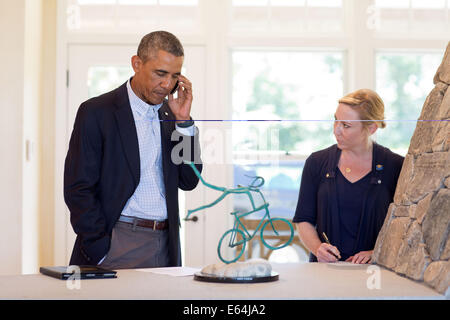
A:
78, 272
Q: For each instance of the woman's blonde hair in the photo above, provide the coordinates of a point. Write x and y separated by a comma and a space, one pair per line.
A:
368, 104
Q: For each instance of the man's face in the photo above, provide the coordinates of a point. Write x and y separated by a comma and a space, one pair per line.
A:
155, 79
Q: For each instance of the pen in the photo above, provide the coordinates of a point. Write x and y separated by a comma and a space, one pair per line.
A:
328, 241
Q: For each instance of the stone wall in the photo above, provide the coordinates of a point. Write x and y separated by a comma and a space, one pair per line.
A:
414, 240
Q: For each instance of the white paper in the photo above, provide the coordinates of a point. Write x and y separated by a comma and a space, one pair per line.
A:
345, 264
173, 271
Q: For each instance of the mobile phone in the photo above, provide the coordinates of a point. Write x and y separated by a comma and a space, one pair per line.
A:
174, 88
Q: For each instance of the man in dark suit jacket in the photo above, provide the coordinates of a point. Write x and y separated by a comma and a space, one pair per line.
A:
103, 164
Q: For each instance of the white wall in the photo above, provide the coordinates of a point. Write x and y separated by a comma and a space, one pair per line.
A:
20, 135
12, 17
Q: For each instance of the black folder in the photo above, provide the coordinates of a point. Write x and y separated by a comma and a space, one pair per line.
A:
78, 272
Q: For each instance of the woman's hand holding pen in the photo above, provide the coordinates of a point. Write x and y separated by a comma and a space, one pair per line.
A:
327, 253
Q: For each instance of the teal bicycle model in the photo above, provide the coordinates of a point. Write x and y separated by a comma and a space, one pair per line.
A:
237, 237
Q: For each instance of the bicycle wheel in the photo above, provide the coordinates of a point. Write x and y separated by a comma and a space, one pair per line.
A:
231, 245
280, 231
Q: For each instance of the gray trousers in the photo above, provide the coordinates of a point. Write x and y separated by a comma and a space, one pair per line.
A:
137, 247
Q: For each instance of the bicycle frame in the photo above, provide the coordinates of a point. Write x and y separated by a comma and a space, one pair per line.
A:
238, 226
238, 223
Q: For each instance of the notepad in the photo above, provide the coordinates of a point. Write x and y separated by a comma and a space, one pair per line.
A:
172, 271
345, 264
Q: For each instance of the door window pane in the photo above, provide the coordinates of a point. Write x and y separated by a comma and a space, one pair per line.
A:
102, 79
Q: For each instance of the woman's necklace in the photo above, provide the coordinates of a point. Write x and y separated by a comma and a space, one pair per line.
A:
345, 164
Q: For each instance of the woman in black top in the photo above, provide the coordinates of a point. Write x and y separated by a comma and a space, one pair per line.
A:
346, 189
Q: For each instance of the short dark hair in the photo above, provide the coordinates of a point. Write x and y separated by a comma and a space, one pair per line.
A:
159, 40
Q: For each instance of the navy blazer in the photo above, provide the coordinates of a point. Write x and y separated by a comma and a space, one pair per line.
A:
102, 171
317, 201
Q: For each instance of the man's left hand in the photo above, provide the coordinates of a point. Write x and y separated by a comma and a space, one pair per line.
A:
181, 106
361, 257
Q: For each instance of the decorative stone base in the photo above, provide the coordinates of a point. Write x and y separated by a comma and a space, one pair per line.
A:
249, 268
414, 240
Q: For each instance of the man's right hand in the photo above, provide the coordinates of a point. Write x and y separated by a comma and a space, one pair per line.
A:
327, 253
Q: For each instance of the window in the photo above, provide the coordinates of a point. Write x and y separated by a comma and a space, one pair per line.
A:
286, 16
403, 81
413, 17
284, 89
133, 16
273, 102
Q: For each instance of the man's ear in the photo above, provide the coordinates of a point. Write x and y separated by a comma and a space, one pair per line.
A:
136, 63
